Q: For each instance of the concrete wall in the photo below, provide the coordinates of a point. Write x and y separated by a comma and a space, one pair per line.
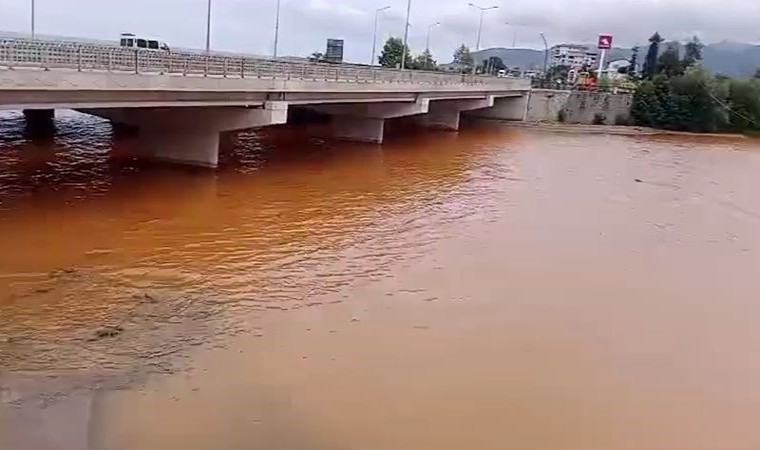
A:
578, 107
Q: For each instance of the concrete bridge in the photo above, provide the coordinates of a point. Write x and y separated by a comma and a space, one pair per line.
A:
181, 101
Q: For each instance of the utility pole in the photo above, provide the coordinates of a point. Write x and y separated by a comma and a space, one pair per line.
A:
480, 26
406, 33
32, 19
546, 54
374, 35
276, 29
208, 28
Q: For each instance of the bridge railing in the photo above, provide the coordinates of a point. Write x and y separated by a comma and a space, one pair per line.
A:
57, 55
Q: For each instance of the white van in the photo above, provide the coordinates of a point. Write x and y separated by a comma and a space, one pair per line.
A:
132, 41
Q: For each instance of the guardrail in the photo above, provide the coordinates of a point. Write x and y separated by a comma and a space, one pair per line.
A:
52, 55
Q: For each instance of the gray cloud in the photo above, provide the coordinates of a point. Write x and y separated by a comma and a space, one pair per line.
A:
248, 25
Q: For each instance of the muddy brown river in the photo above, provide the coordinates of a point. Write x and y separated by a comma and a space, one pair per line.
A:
499, 288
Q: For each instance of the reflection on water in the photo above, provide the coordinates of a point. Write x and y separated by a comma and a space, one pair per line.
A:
487, 289
161, 252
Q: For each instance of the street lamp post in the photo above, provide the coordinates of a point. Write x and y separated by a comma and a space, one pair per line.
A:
427, 40
374, 35
546, 53
276, 29
32, 19
406, 33
480, 27
208, 27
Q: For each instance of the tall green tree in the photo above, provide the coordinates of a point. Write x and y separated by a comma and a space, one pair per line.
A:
669, 63
744, 99
392, 53
693, 51
425, 61
650, 64
463, 58
633, 63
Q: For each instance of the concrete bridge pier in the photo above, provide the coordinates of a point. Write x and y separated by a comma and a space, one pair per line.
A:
190, 135
505, 108
445, 114
365, 122
39, 122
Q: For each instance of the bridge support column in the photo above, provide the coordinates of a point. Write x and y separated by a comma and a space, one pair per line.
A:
505, 108
39, 122
190, 147
445, 114
365, 122
189, 135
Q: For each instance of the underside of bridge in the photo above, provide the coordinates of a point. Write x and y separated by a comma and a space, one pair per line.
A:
191, 135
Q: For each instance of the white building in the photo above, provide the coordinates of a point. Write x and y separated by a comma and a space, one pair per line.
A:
574, 56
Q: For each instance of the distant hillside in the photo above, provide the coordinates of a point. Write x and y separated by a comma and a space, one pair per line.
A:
526, 58
734, 60
523, 58
728, 58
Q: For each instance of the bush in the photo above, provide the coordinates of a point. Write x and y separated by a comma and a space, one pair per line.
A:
695, 101
599, 119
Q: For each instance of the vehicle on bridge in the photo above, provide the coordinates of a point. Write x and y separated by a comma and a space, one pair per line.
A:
132, 41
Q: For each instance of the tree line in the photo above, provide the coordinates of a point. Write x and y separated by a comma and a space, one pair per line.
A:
463, 61
678, 93
393, 53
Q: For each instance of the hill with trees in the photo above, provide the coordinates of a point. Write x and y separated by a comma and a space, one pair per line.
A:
678, 92
727, 58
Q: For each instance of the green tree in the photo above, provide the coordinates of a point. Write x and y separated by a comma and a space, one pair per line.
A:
700, 101
633, 63
650, 64
492, 65
693, 52
669, 63
695, 101
392, 53
425, 61
645, 108
463, 59
317, 57
744, 101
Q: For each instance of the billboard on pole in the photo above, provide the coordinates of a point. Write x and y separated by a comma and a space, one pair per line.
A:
334, 53
605, 42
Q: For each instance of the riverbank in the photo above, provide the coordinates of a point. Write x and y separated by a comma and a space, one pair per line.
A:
616, 130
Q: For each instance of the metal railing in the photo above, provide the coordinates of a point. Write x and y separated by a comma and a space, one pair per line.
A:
57, 55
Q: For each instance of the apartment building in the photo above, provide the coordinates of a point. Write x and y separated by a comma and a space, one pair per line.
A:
574, 56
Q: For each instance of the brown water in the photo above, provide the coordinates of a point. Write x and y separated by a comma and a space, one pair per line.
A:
495, 289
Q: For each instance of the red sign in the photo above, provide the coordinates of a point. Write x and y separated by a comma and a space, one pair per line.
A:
605, 42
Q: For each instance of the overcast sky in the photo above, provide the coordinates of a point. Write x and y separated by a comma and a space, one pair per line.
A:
248, 25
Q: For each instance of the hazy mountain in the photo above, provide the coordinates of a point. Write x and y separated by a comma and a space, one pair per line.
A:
526, 58
523, 58
728, 58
